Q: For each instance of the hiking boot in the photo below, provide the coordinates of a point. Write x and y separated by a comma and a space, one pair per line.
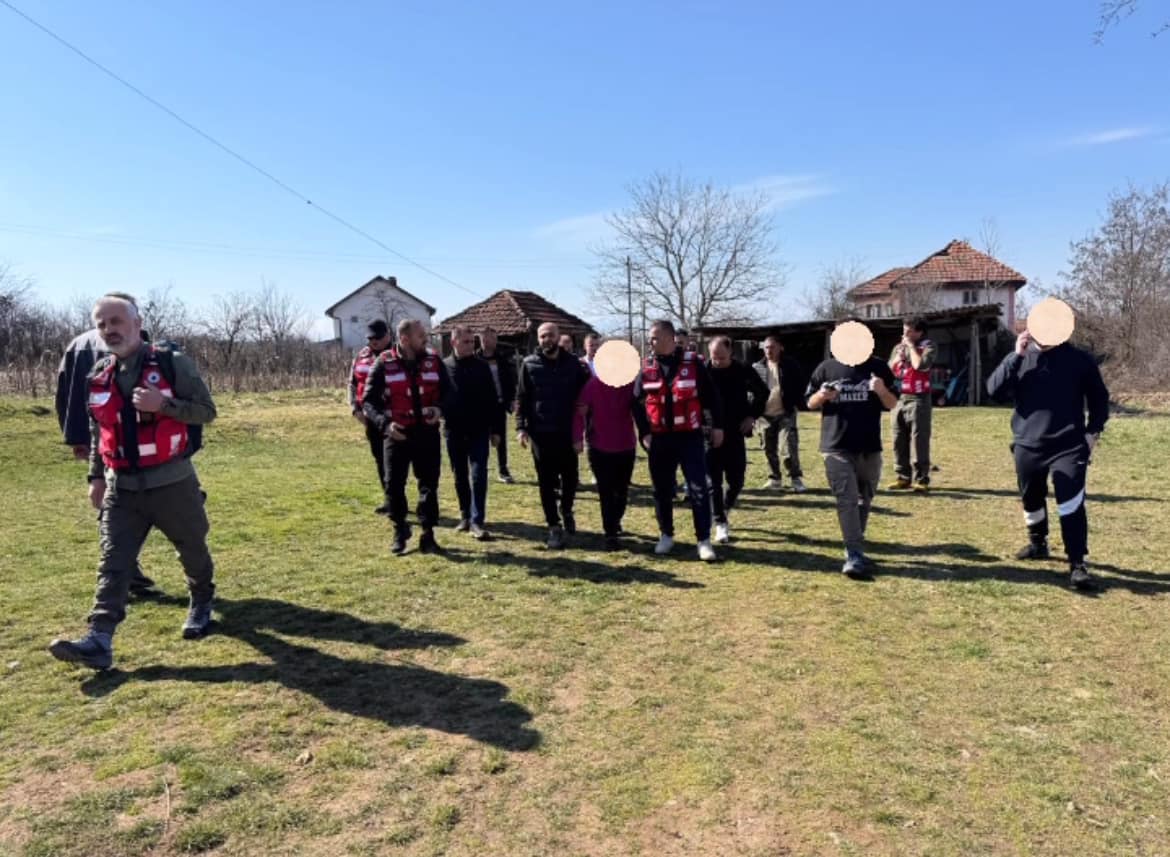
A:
798, 485
921, 487
556, 539
722, 534
855, 566
706, 552
1034, 550
198, 620
384, 509
401, 537
140, 584
94, 650
479, 533
1079, 578
775, 483
427, 543
570, 523
899, 485
665, 545
506, 478
463, 526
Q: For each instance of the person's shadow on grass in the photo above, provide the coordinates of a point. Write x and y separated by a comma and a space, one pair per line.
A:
396, 694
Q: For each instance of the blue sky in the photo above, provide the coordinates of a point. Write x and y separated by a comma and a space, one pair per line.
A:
489, 140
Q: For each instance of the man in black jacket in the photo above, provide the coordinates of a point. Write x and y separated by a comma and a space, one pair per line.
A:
743, 395
403, 398
546, 405
785, 382
1051, 388
502, 363
470, 422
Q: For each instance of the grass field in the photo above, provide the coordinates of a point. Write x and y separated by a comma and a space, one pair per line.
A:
505, 701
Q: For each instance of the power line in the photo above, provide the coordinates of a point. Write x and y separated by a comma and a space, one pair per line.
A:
233, 153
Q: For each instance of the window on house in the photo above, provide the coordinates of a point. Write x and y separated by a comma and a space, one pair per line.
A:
889, 310
869, 310
353, 319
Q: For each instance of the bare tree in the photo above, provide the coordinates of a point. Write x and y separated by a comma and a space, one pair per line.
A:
698, 253
276, 316
1119, 285
164, 315
386, 304
1113, 12
830, 298
77, 312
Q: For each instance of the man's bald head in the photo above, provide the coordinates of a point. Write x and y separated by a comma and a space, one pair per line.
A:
548, 334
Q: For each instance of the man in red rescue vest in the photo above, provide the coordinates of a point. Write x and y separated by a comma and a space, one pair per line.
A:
141, 399
911, 361
403, 398
377, 341
672, 391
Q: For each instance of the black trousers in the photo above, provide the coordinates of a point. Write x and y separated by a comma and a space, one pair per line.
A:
502, 449
667, 453
613, 471
728, 461
420, 452
375, 438
1068, 470
556, 472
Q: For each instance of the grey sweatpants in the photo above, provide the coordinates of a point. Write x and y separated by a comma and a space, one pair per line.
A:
176, 511
853, 478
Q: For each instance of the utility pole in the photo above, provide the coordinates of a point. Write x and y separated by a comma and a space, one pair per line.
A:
629, 302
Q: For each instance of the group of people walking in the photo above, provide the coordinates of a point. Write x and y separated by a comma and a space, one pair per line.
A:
134, 410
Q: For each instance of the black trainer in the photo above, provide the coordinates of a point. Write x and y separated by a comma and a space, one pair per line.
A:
398, 544
198, 620
506, 478
94, 650
1079, 578
1033, 550
556, 538
570, 523
427, 543
463, 526
384, 509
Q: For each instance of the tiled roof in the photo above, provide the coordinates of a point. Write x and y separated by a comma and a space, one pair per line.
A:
956, 263
514, 313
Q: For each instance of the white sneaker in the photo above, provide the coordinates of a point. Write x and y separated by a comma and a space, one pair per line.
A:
706, 552
798, 485
665, 545
722, 534
774, 485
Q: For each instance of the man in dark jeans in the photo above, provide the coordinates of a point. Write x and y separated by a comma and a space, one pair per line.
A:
546, 405
502, 363
377, 341
672, 391
785, 382
743, 395
1051, 387
470, 422
403, 399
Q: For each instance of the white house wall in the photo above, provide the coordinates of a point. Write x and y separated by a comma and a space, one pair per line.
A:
353, 314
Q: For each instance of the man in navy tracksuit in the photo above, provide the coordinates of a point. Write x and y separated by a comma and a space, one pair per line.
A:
1051, 388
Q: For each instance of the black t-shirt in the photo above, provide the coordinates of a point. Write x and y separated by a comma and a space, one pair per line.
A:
853, 421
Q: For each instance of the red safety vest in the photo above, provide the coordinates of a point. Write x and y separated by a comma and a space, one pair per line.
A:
361, 370
160, 438
686, 411
398, 403
915, 382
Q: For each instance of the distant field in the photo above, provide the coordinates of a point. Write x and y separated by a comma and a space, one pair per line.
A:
508, 701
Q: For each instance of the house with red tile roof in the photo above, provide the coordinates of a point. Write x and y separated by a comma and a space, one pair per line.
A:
516, 316
956, 276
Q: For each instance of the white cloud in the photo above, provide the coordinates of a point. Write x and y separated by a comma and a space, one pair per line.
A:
1113, 135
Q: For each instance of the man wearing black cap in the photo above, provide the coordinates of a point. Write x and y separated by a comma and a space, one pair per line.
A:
377, 341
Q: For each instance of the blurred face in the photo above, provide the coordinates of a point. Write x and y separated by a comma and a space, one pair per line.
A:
463, 343
547, 334
488, 340
379, 343
772, 350
566, 342
911, 334
662, 340
592, 343
118, 325
720, 353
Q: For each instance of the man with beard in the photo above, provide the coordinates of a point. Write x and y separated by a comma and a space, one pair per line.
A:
469, 423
